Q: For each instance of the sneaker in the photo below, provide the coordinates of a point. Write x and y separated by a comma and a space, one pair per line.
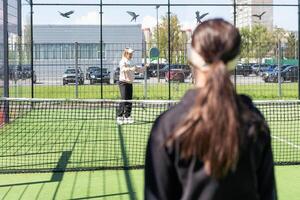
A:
128, 120
120, 120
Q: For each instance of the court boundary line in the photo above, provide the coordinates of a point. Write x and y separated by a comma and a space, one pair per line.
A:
286, 141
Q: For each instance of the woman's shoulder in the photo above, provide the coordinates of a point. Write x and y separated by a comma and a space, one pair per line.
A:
248, 102
166, 122
255, 120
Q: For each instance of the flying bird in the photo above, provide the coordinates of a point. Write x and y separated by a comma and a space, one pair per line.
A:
199, 18
67, 14
133, 15
259, 16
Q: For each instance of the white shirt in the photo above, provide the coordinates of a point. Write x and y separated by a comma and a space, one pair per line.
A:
127, 70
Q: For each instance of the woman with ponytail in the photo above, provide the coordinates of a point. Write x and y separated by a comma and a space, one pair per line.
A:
214, 144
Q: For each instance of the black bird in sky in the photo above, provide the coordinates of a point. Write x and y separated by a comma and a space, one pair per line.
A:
199, 18
67, 14
133, 15
259, 16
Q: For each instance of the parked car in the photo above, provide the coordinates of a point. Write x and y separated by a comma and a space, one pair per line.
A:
17, 72
289, 73
117, 75
243, 69
89, 71
138, 75
175, 75
1, 72
185, 69
267, 73
69, 76
270, 69
26, 73
152, 69
258, 69
95, 76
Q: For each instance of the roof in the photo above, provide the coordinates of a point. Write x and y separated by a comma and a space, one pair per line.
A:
87, 33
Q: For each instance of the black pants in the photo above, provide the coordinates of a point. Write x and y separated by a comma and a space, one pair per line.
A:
126, 94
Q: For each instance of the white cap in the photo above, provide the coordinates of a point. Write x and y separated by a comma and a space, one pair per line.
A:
129, 50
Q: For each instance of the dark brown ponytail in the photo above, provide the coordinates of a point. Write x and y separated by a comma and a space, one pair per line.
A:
210, 129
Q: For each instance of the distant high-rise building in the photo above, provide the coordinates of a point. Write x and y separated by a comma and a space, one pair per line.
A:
245, 14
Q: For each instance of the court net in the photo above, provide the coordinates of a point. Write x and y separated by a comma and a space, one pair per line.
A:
39, 135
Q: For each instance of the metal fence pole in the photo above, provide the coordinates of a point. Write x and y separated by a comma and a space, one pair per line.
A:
101, 50
169, 46
234, 21
157, 35
145, 73
19, 43
31, 48
298, 49
5, 61
76, 70
279, 68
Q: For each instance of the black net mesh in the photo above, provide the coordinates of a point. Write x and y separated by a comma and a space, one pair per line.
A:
64, 135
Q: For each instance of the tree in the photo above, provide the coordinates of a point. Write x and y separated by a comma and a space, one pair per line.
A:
262, 41
246, 43
290, 51
27, 41
257, 42
178, 39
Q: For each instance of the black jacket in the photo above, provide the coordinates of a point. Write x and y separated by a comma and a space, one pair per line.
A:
167, 176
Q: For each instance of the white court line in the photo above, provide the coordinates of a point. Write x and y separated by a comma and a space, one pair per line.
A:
286, 141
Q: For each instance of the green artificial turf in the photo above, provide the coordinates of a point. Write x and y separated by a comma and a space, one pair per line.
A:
153, 91
109, 185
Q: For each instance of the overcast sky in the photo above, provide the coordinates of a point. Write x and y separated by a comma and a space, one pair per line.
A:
284, 17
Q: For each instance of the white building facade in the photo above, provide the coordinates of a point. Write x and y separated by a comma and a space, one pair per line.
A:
244, 15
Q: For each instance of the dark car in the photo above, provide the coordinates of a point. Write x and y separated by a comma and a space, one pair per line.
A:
270, 69
138, 75
274, 69
1, 72
95, 76
117, 75
17, 72
89, 71
70, 76
259, 69
289, 73
152, 69
175, 75
26, 73
185, 69
243, 69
